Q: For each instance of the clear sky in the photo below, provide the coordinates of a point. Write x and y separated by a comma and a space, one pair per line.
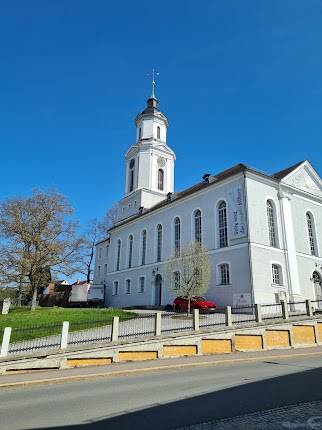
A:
240, 81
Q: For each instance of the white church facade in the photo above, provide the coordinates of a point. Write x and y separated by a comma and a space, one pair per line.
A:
263, 233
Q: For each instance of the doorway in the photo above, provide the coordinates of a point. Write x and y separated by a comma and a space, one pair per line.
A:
158, 290
317, 282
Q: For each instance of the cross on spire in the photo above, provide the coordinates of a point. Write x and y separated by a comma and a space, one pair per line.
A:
153, 75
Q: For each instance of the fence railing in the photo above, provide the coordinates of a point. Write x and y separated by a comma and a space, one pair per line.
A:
27, 340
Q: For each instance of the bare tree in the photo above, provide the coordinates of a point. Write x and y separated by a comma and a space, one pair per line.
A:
37, 240
189, 274
109, 219
89, 241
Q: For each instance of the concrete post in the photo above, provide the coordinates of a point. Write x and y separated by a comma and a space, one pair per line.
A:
115, 329
196, 319
228, 315
5, 342
258, 313
284, 309
64, 335
309, 310
157, 324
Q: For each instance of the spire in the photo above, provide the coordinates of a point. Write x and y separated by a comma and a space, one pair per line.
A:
152, 100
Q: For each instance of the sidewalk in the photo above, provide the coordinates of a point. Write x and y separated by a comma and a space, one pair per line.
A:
118, 369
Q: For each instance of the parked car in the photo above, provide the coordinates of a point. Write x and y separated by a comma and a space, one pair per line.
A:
180, 304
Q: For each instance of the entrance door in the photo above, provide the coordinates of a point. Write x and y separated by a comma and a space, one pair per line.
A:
317, 281
158, 290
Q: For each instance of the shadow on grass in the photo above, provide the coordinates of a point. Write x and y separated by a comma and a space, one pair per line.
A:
247, 398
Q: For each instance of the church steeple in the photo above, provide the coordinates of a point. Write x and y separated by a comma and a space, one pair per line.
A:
149, 161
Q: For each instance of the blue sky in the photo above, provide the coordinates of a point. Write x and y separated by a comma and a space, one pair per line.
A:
240, 81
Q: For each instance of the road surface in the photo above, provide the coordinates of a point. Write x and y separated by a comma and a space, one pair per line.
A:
176, 398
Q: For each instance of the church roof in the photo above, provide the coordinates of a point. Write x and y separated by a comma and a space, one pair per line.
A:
211, 179
282, 173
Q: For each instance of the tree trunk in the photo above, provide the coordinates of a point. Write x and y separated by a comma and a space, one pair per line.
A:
189, 305
34, 299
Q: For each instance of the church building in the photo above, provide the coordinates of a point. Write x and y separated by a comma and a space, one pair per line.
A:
263, 233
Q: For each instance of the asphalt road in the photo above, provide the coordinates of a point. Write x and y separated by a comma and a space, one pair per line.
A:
167, 399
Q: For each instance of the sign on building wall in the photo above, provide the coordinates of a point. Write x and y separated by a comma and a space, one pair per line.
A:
237, 216
242, 299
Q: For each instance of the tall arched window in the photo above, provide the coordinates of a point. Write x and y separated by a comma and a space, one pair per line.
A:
131, 175
271, 224
118, 254
311, 233
222, 224
160, 179
130, 250
143, 256
159, 242
197, 222
177, 237
158, 132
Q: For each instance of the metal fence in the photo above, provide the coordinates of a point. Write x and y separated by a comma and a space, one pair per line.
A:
272, 311
172, 322
243, 315
217, 319
90, 331
317, 306
296, 308
30, 339
140, 326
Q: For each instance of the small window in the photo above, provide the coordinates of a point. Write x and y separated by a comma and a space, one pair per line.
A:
118, 255
160, 179
197, 221
105, 269
176, 280
159, 242
222, 225
224, 274
128, 286
143, 256
177, 237
158, 132
277, 274
130, 250
115, 288
311, 233
141, 284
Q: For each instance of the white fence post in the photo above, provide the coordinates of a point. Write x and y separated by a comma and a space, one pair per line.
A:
5, 342
258, 313
228, 315
115, 329
157, 324
309, 310
284, 309
64, 335
196, 319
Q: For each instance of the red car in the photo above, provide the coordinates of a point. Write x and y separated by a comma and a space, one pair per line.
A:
180, 304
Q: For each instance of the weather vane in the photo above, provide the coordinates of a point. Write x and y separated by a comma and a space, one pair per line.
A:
153, 75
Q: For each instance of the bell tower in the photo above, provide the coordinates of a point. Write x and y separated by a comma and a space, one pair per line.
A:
149, 161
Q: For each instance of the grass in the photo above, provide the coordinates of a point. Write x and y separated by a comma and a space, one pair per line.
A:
27, 325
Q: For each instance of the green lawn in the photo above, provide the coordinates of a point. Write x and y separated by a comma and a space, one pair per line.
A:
42, 322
